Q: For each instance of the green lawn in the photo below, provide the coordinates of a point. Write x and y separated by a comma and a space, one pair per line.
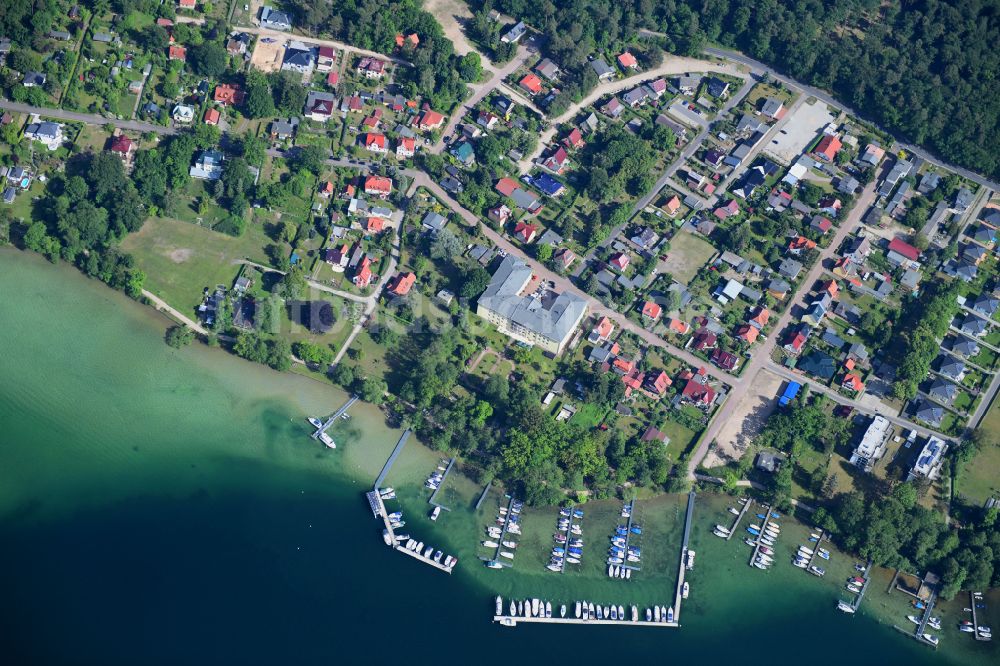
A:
978, 479
181, 259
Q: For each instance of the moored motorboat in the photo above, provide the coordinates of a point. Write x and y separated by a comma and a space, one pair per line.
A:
493, 564
510, 544
315, 422
534, 607
670, 614
649, 615
931, 638
685, 590
628, 574
499, 605
845, 607
576, 609
490, 544
562, 610
656, 613
509, 555
621, 573
548, 609
913, 618
435, 513
600, 613
513, 607
614, 613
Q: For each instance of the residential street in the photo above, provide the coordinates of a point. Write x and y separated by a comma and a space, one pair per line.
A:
88, 118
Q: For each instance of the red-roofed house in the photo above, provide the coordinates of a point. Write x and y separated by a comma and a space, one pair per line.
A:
679, 326
725, 360
628, 61
698, 393
603, 329
728, 209
506, 186
556, 162
800, 244
177, 53
325, 58
401, 284
333, 78
747, 333
794, 341
430, 120
632, 381
622, 366
376, 143
122, 146
821, 224
574, 139
212, 117
407, 147
759, 320
903, 248
525, 232
363, 276
853, 383
651, 310
371, 68
227, 94
378, 186
187, 4
619, 261
830, 287
565, 257
531, 83
828, 147
656, 382
375, 225
673, 205
326, 190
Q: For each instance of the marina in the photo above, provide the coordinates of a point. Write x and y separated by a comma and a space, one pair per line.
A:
686, 559
321, 429
758, 538
509, 517
568, 540
812, 568
975, 599
624, 557
410, 547
747, 502
440, 484
854, 605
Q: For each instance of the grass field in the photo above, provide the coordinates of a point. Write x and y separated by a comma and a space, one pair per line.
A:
978, 480
687, 255
181, 259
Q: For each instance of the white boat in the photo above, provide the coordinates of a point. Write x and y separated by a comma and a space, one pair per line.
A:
766, 550
690, 559
553, 567
621, 573
807, 551
520, 608
722, 529
801, 564
590, 609
600, 613
685, 590
420, 547
499, 605
435, 513
913, 618
635, 614
573, 560
614, 612
611, 571
734, 511
315, 422
429, 551
750, 542
493, 564
510, 544
845, 607
548, 609
562, 610
755, 527
814, 535
670, 614
327, 440
621, 612
855, 589
649, 615
656, 613
607, 613
437, 555
534, 607
759, 565
513, 607
628, 574
932, 639
507, 554
490, 544
721, 535
576, 610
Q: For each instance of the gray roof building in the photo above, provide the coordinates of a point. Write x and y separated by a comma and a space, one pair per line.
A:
544, 318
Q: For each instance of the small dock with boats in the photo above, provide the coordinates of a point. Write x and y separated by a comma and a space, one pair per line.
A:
508, 523
817, 550
439, 483
568, 538
323, 426
510, 614
763, 538
979, 632
852, 585
624, 556
402, 542
747, 502
686, 563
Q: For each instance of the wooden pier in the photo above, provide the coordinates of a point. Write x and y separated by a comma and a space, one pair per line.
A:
679, 593
763, 530
864, 587
812, 558
739, 518
330, 421
444, 477
376, 498
503, 533
922, 627
392, 458
569, 537
486, 491
628, 537
975, 617
513, 621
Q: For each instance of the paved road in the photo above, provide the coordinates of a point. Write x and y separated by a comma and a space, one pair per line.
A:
672, 65
479, 91
88, 118
760, 68
762, 353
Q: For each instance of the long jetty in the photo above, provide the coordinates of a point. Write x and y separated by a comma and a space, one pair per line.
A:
864, 587
569, 537
503, 533
333, 419
392, 458
482, 497
444, 477
679, 592
922, 627
628, 536
975, 618
812, 558
375, 499
739, 518
512, 621
758, 543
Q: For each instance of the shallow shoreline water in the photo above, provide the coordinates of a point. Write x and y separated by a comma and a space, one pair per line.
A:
165, 506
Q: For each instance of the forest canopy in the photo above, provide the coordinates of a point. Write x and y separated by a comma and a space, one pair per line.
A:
926, 70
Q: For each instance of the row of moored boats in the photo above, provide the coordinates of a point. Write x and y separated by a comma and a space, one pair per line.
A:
624, 556
393, 537
323, 437
499, 535
568, 539
763, 538
433, 481
583, 610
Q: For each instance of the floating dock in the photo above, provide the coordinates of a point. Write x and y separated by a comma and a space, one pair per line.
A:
628, 537
503, 534
375, 499
739, 518
392, 458
975, 617
513, 621
444, 477
763, 531
330, 421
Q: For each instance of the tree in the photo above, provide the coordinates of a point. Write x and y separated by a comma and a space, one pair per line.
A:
259, 102
288, 92
179, 336
474, 282
279, 354
470, 68
313, 354
372, 390
343, 375
311, 158
543, 252
208, 59
105, 175
292, 285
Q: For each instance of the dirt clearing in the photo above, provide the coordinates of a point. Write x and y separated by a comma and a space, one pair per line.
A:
268, 54
747, 421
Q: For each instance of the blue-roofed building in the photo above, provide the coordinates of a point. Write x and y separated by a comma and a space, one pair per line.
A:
549, 185
791, 390
464, 153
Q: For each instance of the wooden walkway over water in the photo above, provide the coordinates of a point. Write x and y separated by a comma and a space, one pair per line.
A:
739, 518
376, 499
444, 477
392, 458
333, 419
682, 568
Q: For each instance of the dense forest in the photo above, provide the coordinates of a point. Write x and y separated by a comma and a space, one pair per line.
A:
926, 70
